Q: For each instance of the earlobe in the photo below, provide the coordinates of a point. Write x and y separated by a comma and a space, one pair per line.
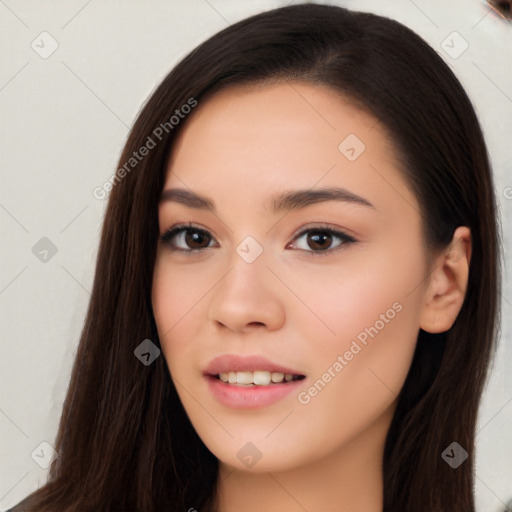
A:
447, 286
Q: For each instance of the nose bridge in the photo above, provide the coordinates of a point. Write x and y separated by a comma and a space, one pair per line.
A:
250, 250
245, 295
248, 266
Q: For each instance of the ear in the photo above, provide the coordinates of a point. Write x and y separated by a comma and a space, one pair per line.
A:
447, 284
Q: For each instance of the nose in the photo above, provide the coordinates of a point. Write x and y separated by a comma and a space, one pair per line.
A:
248, 296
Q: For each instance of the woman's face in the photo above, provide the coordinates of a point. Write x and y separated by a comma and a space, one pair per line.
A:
305, 282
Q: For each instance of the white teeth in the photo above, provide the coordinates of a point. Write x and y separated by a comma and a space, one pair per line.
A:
277, 377
244, 378
258, 378
261, 378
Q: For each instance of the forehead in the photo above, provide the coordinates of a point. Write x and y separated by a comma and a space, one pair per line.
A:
279, 137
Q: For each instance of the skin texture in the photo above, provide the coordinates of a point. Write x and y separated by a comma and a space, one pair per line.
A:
291, 305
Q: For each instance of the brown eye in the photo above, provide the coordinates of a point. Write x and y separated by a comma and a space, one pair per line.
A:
320, 240
196, 239
187, 239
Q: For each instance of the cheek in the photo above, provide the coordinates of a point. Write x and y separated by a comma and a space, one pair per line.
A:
176, 300
368, 313
357, 373
358, 378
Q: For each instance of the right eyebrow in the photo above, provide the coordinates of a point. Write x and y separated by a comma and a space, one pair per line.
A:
188, 198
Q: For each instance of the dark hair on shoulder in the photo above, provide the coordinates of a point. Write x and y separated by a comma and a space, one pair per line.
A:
124, 440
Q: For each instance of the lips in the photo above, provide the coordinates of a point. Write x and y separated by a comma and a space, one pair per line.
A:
250, 382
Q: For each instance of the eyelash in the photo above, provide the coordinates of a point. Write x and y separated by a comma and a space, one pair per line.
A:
172, 232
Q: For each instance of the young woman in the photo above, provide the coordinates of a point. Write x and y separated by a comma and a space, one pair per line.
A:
295, 300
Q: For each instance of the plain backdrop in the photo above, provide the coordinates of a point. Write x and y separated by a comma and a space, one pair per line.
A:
73, 77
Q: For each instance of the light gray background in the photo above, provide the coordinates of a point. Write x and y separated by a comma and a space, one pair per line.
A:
64, 121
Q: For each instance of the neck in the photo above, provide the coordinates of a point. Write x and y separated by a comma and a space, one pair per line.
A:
348, 479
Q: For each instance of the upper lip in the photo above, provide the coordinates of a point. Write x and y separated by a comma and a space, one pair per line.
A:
233, 363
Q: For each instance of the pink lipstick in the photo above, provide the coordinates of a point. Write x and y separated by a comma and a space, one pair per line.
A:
250, 382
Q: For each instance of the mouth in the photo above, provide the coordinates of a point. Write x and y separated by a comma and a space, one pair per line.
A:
250, 382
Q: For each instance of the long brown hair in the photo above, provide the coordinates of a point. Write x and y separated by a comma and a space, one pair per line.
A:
124, 440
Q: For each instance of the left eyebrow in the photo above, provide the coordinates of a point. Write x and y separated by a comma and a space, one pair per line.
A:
297, 199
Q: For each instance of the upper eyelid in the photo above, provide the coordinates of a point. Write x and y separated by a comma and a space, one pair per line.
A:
336, 231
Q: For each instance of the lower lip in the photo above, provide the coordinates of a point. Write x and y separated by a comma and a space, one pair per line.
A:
249, 397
